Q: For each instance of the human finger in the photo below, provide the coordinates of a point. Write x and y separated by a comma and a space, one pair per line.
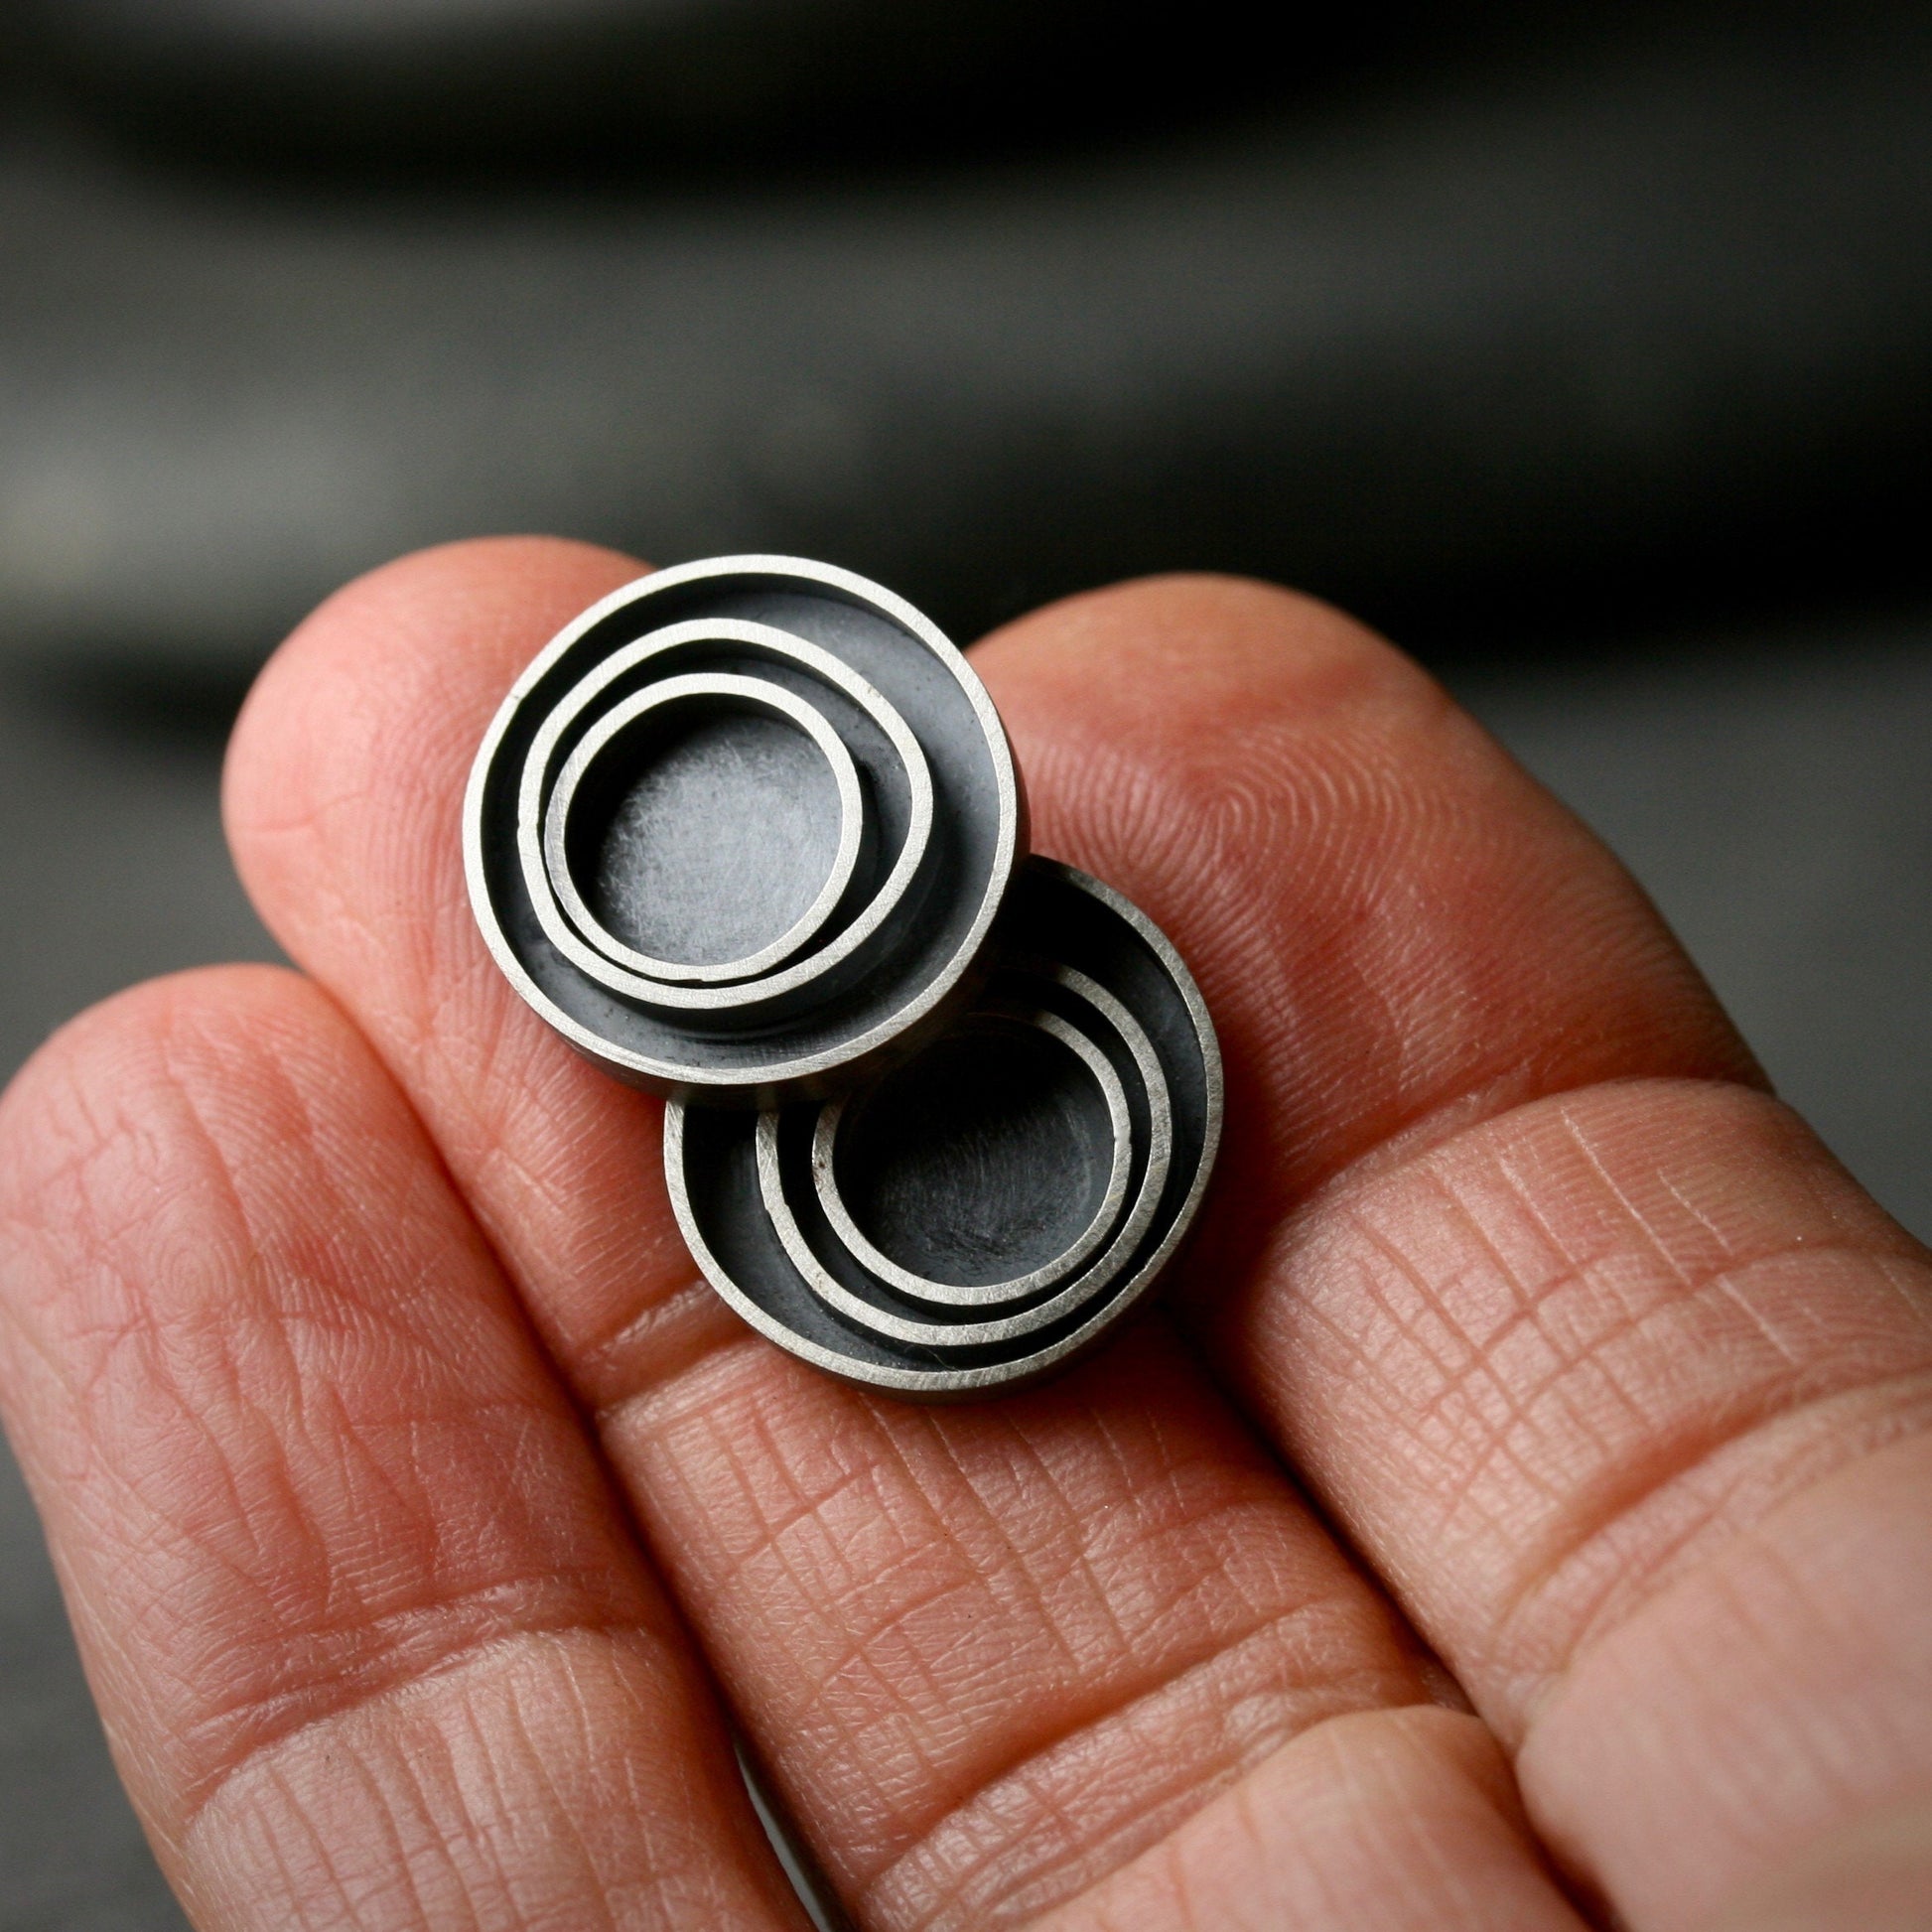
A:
371, 1640
1874, 1871
1599, 1357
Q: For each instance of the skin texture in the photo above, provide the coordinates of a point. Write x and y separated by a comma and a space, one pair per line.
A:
1518, 1515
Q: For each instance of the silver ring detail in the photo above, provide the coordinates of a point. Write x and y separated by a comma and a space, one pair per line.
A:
988, 1294
753, 692
751, 1211
1018, 1322
628, 974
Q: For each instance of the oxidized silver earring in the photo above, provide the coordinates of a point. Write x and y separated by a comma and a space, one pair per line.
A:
748, 833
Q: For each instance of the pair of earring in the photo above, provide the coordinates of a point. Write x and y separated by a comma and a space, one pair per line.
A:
748, 833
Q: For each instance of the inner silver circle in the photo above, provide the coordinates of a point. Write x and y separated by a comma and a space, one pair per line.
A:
987, 1293
1083, 1289
689, 690
817, 662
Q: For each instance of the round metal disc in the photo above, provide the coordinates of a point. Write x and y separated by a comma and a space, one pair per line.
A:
740, 831
984, 1213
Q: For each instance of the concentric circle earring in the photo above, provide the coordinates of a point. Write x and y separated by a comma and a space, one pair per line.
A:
981, 1216
740, 831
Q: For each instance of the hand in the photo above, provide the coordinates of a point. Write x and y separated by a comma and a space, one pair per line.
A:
422, 1515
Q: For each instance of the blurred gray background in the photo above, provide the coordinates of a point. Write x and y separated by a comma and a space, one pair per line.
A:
1592, 357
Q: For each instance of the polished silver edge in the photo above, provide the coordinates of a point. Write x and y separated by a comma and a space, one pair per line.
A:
759, 1084
944, 1385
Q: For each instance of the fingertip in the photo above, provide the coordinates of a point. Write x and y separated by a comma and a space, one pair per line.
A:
1388, 916
1875, 1873
133, 1141
1217, 637
380, 651
224, 1058
103, 1049
1173, 728
496, 586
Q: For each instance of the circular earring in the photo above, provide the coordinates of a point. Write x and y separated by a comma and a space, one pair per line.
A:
748, 833
992, 1209
740, 832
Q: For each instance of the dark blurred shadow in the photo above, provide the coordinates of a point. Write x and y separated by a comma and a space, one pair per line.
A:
1529, 337
135, 707
597, 90
605, 95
